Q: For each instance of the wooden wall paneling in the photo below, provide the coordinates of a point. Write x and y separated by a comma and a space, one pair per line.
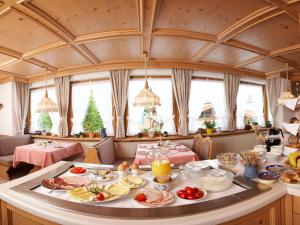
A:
228, 55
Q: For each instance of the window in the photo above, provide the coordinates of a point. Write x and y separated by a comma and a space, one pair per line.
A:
101, 91
250, 105
206, 93
37, 118
163, 88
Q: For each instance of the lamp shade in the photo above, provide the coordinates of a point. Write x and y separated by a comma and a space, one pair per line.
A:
146, 97
46, 105
285, 96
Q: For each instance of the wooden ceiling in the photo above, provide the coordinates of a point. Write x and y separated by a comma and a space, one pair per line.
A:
253, 38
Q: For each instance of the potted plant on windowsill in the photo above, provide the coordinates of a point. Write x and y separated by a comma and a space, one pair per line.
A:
210, 125
255, 126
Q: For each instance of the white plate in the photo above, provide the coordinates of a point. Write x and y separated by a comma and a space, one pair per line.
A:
197, 165
192, 200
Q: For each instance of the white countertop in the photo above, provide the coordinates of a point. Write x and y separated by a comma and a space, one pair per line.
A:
65, 217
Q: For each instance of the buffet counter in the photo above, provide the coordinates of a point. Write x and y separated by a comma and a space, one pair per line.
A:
18, 206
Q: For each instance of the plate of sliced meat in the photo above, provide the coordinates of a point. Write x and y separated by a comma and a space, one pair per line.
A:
154, 198
65, 183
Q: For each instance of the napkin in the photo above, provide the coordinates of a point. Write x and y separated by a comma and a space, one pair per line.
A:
291, 127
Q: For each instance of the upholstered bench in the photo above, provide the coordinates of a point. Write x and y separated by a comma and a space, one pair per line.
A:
7, 148
104, 152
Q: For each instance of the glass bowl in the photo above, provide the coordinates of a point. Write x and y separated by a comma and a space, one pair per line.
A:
215, 180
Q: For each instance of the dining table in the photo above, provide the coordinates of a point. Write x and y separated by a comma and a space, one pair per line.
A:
42, 155
178, 154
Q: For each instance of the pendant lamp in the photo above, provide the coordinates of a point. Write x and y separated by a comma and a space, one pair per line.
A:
285, 95
46, 104
146, 97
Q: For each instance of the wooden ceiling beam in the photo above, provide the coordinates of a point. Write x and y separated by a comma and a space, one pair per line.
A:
155, 64
204, 51
245, 46
40, 64
286, 50
147, 39
107, 35
285, 60
250, 61
57, 45
58, 29
185, 34
10, 52
249, 21
285, 5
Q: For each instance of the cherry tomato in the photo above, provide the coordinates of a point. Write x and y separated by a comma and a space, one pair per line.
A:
196, 190
181, 192
184, 196
188, 189
100, 196
141, 197
190, 197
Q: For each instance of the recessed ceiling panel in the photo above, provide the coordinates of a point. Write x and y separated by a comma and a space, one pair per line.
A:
89, 16
278, 32
175, 48
22, 35
266, 65
23, 68
62, 57
116, 49
229, 55
294, 56
207, 16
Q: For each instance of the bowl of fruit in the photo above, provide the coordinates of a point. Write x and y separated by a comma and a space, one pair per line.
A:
293, 161
191, 193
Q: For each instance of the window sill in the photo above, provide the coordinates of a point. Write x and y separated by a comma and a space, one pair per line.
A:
144, 138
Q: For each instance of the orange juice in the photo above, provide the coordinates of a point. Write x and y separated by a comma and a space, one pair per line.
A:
161, 168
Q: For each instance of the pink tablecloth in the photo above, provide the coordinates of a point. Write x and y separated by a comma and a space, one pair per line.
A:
45, 156
178, 154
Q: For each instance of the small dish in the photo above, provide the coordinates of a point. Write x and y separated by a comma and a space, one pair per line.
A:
275, 168
268, 177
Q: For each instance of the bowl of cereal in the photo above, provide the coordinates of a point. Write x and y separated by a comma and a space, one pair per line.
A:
227, 158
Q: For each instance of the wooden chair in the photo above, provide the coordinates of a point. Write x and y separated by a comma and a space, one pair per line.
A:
202, 147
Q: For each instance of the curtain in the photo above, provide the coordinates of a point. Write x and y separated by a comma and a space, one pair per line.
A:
231, 86
273, 88
181, 80
21, 105
119, 83
62, 89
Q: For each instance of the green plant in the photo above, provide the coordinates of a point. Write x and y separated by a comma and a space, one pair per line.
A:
92, 120
210, 124
268, 124
45, 122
